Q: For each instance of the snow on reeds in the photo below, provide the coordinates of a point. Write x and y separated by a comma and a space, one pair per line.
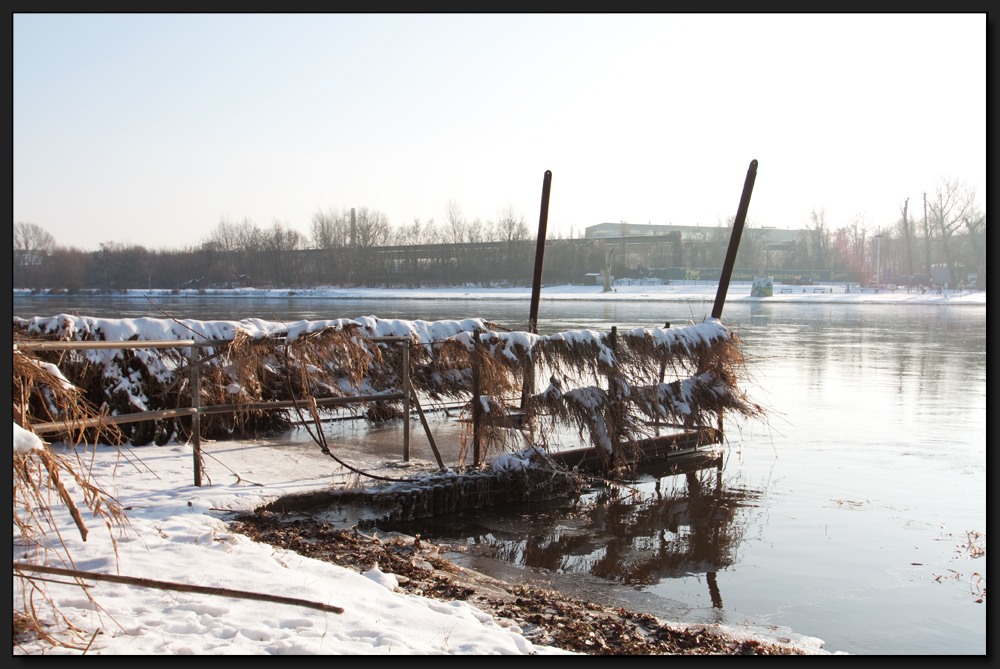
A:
610, 386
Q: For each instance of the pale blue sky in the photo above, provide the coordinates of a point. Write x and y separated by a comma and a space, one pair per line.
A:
150, 128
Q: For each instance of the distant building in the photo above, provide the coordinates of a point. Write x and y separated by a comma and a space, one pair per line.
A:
688, 233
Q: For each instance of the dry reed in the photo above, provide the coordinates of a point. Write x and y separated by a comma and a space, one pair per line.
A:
40, 484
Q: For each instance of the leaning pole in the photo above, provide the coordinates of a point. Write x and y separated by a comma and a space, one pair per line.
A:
528, 386
536, 282
734, 240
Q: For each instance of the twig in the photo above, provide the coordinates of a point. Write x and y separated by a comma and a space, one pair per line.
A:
171, 317
180, 587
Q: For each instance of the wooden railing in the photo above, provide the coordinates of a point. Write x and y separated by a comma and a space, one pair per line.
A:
195, 411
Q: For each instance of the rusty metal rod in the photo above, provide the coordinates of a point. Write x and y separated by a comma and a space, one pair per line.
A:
734, 240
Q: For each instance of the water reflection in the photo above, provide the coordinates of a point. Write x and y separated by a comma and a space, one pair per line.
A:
684, 521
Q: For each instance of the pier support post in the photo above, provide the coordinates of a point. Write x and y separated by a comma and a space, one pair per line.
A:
477, 404
406, 401
196, 416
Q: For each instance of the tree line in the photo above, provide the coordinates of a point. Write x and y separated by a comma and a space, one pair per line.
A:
360, 247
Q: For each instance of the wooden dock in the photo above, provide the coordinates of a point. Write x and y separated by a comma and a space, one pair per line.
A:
654, 452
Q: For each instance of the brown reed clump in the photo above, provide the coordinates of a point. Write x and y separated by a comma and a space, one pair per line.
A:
611, 387
40, 484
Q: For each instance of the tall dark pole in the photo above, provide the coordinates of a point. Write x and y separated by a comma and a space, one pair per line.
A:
528, 386
536, 282
734, 241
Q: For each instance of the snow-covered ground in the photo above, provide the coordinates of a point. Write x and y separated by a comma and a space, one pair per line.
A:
679, 291
175, 535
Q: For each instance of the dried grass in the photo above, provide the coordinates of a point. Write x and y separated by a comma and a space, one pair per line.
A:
618, 384
40, 484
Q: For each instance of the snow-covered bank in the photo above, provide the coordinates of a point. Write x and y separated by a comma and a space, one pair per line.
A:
677, 291
176, 535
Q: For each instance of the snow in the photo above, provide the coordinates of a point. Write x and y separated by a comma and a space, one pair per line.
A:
175, 535
25, 441
675, 291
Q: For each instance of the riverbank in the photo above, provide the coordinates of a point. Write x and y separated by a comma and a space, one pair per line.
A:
676, 291
176, 532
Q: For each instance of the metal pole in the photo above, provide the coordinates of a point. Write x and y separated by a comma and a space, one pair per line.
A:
477, 404
406, 401
878, 260
734, 241
196, 417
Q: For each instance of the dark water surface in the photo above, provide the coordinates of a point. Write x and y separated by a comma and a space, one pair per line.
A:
841, 519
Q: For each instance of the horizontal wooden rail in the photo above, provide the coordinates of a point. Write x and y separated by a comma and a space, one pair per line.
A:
36, 345
195, 411
128, 343
60, 426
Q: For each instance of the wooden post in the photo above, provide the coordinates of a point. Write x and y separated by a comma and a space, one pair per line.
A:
477, 404
196, 417
427, 428
406, 401
614, 392
734, 241
663, 372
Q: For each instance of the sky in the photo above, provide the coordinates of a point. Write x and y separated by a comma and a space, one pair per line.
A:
151, 129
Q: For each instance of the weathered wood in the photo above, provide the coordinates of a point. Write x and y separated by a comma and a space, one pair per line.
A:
427, 428
196, 416
180, 587
477, 405
406, 401
60, 426
652, 451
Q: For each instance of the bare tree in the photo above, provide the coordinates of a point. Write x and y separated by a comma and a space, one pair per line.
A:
456, 227
31, 245
819, 239
480, 231
66, 268
975, 225
511, 225
236, 248
417, 233
907, 237
331, 230
123, 265
284, 265
951, 204
373, 228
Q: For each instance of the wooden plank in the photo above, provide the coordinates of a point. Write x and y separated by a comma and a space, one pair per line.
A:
653, 450
63, 426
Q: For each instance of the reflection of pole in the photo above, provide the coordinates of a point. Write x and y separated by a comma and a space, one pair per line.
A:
713, 590
734, 240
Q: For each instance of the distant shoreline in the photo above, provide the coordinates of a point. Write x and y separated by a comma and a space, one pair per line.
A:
680, 291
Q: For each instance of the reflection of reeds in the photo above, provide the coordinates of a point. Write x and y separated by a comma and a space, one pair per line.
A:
638, 541
41, 477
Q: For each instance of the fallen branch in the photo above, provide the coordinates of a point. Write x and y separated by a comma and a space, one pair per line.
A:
180, 587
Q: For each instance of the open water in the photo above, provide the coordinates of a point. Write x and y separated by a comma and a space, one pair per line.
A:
846, 517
